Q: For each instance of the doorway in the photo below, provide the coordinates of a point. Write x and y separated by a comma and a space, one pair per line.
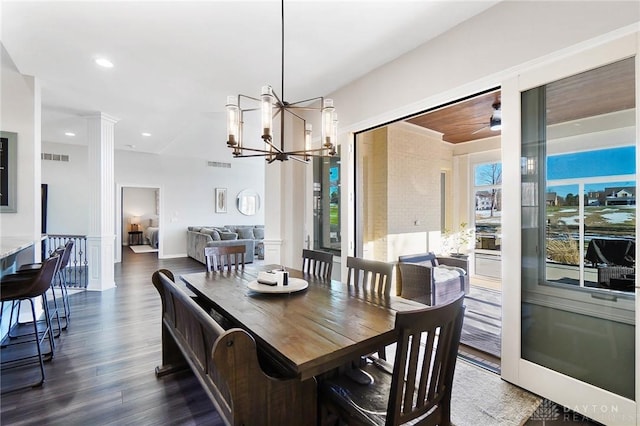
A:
139, 230
421, 186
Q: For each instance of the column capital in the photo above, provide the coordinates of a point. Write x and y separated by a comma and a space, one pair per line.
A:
101, 116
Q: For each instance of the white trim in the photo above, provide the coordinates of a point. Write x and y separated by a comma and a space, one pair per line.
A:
118, 228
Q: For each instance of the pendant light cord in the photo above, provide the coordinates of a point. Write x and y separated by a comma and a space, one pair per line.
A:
282, 56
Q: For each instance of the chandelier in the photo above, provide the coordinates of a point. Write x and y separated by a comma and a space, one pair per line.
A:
272, 106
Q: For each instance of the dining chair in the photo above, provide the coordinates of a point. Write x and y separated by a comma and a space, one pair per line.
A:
220, 256
317, 263
417, 388
369, 275
416, 283
371, 278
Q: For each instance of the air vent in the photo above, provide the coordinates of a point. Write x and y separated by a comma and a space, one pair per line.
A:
54, 157
218, 164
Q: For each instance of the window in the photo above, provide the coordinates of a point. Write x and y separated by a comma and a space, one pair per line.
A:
326, 204
590, 213
488, 205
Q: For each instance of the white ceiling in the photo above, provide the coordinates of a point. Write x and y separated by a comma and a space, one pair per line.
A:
176, 61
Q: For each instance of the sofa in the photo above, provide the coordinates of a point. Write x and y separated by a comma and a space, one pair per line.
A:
254, 232
199, 237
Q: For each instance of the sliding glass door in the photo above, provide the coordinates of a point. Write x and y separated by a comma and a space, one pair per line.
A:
578, 236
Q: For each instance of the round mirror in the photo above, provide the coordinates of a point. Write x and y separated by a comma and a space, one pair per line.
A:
248, 202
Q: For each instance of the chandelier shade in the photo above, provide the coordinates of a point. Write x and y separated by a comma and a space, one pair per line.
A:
270, 106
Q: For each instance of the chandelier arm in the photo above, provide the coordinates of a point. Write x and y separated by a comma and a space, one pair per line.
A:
255, 150
317, 98
294, 114
279, 102
250, 109
249, 97
301, 108
249, 155
280, 150
298, 159
318, 156
305, 151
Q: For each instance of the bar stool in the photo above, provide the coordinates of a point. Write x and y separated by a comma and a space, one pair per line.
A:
17, 287
65, 253
34, 269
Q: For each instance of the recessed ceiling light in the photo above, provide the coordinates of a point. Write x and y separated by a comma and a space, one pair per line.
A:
69, 134
146, 134
104, 62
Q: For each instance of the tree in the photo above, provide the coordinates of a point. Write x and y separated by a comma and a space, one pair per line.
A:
490, 174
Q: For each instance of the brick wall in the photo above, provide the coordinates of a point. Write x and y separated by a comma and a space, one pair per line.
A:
401, 201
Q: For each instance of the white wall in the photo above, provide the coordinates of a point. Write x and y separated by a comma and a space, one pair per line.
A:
68, 186
187, 187
20, 109
474, 55
20, 113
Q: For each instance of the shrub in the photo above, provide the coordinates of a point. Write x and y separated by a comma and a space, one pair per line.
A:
563, 251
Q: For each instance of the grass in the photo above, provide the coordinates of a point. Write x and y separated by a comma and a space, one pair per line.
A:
334, 214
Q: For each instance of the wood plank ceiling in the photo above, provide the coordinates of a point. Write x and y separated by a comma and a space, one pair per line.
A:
599, 91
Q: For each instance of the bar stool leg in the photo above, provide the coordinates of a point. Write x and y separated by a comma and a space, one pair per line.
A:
42, 357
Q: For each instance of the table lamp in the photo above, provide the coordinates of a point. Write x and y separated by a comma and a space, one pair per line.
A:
135, 220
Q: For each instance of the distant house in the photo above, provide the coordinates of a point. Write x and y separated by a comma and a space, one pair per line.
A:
483, 200
595, 198
551, 199
620, 196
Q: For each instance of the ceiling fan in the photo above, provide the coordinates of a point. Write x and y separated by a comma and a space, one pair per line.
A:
495, 121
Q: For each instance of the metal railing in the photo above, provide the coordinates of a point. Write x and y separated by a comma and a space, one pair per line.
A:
77, 268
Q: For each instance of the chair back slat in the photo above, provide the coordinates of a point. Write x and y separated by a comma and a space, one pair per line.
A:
369, 275
317, 263
217, 257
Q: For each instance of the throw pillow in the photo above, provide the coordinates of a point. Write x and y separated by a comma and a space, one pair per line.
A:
215, 236
245, 233
228, 236
258, 233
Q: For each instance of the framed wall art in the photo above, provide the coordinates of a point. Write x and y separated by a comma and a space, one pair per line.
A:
221, 200
8, 165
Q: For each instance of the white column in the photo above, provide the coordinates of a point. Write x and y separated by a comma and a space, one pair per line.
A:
285, 204
101, 238
272, 215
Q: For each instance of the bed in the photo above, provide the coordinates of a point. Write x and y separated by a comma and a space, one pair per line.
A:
150, 235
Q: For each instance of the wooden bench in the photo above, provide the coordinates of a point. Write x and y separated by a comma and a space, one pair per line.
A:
226, 364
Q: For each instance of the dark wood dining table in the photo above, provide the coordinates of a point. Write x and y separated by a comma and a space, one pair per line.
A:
306, 333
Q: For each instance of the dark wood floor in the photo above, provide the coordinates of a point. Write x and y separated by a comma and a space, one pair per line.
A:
103, 369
